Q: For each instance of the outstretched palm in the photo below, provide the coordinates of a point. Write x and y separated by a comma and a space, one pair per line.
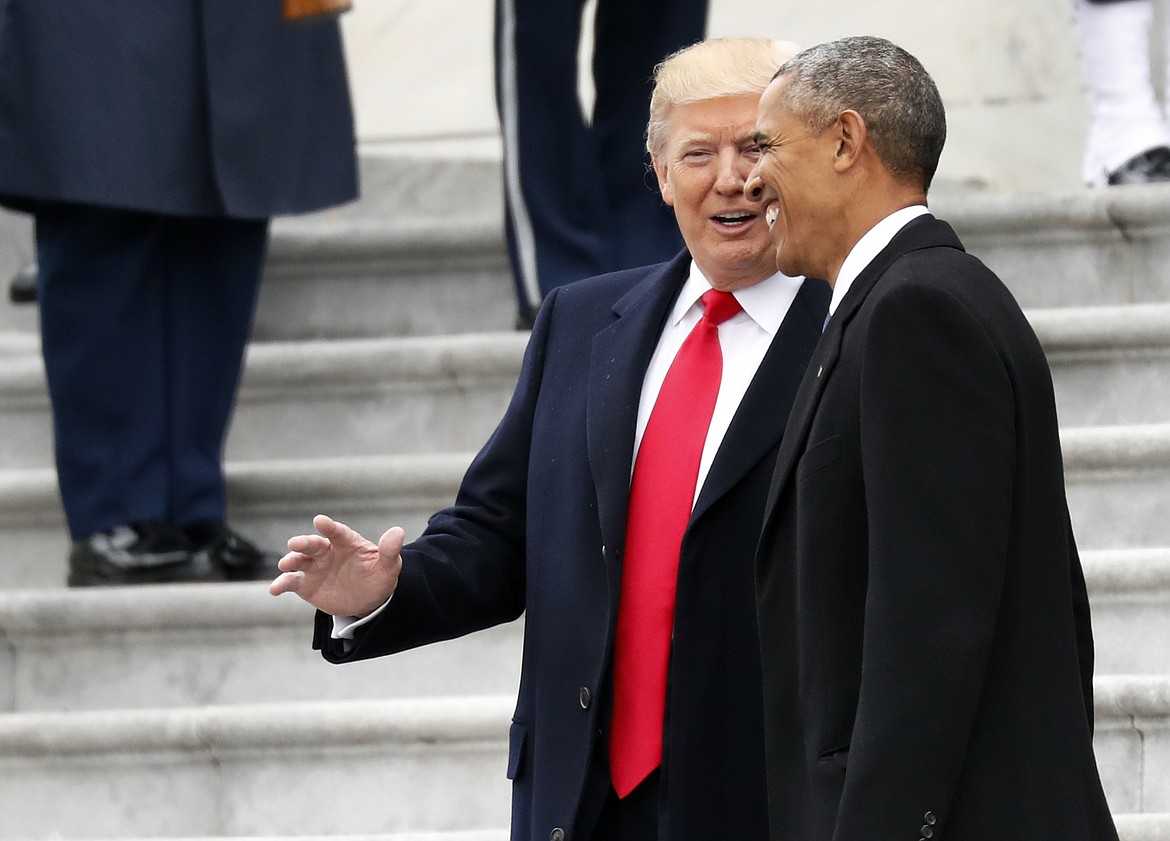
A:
338, 571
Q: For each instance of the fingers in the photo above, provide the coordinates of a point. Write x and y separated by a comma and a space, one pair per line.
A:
286, 582
313, 545
341, 536
390, 543
323, 524
329, 531
313, 558
293, 561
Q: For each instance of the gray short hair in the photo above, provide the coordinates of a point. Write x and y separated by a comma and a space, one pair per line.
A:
887, 86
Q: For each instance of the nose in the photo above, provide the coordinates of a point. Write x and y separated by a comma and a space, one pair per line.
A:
753, 189
731, 175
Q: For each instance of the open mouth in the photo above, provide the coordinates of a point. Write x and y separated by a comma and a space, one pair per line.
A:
734, 218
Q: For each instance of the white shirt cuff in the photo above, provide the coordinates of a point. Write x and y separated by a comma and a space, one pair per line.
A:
344, 626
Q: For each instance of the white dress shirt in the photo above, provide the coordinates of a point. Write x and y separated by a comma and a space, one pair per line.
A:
868, 247
744, 340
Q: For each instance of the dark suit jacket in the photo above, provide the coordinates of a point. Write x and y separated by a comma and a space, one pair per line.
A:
198, 108
927, 655
539, 527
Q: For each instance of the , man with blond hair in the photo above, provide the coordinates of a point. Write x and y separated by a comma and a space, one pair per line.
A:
927, 652
617, 506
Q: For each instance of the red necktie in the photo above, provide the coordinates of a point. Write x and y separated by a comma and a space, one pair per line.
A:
662, 494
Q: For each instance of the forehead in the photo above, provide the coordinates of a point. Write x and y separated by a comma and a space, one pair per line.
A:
733, 115
772, 112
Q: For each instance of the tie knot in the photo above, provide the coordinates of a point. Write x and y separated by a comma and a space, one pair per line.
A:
719, 306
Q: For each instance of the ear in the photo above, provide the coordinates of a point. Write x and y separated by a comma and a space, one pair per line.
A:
663, 180
850, 134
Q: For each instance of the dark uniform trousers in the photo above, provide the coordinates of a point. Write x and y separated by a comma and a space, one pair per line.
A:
144, 320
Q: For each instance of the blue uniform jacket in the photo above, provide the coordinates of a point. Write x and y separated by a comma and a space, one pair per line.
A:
198, 108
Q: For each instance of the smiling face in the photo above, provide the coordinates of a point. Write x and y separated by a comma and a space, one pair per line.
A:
794, 181
702, 168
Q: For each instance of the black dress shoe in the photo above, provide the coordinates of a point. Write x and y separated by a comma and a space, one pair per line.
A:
230, 556
525, 320
149, 552
1150, 167
22, 289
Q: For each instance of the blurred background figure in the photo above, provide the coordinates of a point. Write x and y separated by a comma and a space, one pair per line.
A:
152, 142
22, 289
580, 199
1129, 136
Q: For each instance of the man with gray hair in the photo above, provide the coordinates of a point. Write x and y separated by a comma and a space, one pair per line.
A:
927, 653
617, 506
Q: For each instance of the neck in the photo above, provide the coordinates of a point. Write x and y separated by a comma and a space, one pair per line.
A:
860, 217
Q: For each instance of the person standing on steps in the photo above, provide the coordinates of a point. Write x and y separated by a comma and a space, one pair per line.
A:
579, 199
152, 142
617, 505
924, 625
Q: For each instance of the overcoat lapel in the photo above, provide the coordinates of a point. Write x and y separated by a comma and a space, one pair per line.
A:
618, 360
759, 421
922, 232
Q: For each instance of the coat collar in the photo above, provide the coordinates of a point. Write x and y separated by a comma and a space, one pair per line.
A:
759, 421
919, 233
619, 356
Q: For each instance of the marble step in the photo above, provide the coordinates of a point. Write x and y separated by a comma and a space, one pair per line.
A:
1130, 827
174, 646
1075, 248
1137, 827
420, 394
1110, 364
1053, 249
421, 251
345, 277
295, 768
196, 644
1117, 479
357, 767
1129, 594
342, 278
1132, 741
332, 276
1118, 485
452, 835
268, 501
343, 398
430, 267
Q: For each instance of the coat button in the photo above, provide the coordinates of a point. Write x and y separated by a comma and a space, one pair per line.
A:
930, 818
927, 831
557, 834
584, 697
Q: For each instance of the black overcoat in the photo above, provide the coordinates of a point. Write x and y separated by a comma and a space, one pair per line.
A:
539, 528
926, 647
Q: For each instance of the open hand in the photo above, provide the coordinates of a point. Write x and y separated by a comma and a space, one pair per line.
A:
338, 571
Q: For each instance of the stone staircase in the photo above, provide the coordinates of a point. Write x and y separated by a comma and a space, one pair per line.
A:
383, 358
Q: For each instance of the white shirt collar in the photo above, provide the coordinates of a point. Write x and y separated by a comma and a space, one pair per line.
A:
766, 303
868, 247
